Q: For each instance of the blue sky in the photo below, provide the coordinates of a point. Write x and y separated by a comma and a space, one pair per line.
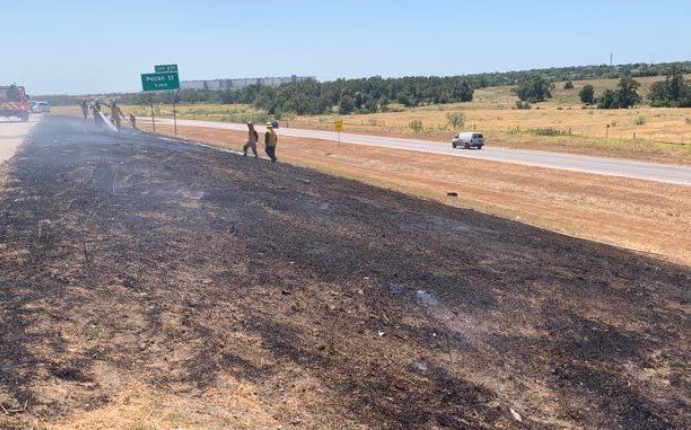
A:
96, 46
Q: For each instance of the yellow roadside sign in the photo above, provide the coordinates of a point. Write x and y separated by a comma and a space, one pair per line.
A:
338, 125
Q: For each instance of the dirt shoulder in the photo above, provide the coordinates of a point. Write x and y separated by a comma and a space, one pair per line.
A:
643, 216
151, 284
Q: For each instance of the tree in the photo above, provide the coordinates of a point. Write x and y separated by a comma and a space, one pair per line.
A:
347, 105
587, 95
568, 85
628, 92
624, 97
607, 100
463, 92
534, 89
673, 92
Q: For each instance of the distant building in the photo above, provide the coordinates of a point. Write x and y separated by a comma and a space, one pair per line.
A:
232, 84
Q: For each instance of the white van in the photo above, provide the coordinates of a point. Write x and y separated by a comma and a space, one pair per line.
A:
468, 140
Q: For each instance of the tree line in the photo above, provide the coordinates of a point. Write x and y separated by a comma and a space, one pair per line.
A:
672, 92
376, 94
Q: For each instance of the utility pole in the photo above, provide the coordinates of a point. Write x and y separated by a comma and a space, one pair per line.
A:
611, 59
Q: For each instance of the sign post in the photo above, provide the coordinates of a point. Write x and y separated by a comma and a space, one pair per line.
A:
166, 78
173, 98
338, 126
153, 119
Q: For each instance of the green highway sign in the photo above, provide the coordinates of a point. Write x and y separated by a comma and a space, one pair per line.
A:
160, 81
166, 68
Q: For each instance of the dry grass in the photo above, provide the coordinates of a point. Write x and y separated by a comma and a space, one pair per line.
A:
654, 134
639, 215
138, 407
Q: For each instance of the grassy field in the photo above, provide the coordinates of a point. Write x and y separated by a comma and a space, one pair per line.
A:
562, 124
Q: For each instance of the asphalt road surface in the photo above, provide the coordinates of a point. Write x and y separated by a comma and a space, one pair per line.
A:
578, 163
136, 261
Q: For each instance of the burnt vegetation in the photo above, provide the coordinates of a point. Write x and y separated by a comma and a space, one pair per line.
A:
175, 266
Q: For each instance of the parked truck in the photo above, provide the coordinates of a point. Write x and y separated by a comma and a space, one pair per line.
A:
14, 103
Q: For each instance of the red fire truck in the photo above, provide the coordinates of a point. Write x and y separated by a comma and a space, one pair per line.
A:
14, 102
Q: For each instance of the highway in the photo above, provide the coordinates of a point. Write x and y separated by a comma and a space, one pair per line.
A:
12, 135
579, 163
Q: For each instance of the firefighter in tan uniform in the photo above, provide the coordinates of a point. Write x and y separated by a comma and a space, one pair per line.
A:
116, 114
252, 139
270, 142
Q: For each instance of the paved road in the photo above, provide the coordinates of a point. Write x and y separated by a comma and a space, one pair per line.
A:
579, 163
12, 134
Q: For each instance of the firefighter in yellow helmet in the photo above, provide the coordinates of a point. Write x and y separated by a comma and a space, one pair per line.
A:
252, 139
116, 114
270, 142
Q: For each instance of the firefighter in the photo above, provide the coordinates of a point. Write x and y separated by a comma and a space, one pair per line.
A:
252, 139
270, 142
116, 114
97, 112
85, 109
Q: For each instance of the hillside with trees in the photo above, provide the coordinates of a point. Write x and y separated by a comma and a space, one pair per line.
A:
377, 94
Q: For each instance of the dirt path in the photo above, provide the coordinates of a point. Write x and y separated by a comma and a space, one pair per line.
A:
639, 215
179, 287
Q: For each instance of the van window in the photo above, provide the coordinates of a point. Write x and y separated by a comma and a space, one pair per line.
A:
477, 136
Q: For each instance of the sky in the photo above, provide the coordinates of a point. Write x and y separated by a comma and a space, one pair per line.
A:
79, 47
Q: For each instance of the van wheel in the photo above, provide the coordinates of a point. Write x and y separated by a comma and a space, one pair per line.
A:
453, 145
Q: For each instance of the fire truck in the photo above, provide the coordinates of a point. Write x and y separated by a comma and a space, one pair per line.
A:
14, 102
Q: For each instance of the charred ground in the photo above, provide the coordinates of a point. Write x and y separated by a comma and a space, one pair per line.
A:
139, 260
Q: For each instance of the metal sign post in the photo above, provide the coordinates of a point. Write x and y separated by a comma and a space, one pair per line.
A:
153, 118
175, 117
173, 99
166, 78
338, 126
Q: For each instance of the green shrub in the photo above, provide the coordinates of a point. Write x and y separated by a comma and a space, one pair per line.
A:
416, 125
455, 119
587, 95
534, 89
625, 96
549, 131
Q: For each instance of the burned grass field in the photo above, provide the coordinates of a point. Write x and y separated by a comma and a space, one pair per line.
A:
147, 283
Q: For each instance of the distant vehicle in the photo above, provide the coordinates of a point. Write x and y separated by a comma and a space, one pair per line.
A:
14, 102
40, 107
468, 140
